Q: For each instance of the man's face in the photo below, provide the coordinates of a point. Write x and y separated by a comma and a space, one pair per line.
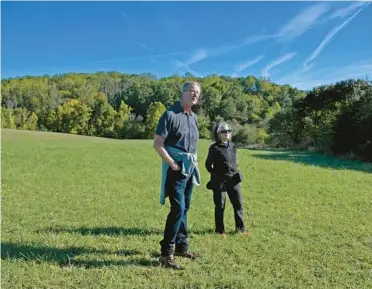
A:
191, 95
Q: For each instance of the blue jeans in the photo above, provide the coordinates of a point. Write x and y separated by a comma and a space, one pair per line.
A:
179, 191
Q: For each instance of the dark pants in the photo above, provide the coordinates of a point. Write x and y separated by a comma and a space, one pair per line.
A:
219, 198
179, 191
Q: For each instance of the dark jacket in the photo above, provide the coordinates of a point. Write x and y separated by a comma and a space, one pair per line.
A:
221, 162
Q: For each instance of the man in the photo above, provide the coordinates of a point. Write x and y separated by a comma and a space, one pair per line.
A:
175, 141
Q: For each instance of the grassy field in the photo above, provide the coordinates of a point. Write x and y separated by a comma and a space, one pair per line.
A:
81, 212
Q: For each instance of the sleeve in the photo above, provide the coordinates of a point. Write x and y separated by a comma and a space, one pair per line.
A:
210, 160
163, 127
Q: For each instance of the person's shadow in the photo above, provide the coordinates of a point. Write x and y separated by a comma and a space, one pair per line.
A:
108, 231
67, 256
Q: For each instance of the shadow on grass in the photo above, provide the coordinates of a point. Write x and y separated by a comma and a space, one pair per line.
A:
109, 231
201, 232
117, 231
65, 257
315, 159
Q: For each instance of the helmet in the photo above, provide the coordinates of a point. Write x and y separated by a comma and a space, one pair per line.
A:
220, 127
223, 126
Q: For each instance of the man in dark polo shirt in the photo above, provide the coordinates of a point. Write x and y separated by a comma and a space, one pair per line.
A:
175, 141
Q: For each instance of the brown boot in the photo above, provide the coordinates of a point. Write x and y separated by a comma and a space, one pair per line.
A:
168, 262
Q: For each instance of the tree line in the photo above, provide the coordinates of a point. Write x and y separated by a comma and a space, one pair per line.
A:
127, 106
334, 119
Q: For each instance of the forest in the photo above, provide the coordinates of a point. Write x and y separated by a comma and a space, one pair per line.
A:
333, 119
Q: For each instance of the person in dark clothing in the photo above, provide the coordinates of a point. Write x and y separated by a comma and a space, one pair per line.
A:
175, 141
221, 163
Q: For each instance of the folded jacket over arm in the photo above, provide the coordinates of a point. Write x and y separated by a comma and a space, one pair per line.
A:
189, 166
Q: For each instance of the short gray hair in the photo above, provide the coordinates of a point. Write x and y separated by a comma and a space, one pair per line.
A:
187, 85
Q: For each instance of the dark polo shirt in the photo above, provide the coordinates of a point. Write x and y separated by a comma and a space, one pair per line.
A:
179, 129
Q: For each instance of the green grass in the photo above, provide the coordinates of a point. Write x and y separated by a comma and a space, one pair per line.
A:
81, 212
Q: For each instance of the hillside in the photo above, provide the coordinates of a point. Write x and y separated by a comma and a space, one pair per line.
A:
333, 119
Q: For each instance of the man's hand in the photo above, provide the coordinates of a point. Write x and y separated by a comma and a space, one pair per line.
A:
159, 147
175, 166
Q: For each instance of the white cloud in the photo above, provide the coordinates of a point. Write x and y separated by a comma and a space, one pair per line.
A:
328, 37
343, 12
203, 53
197, 56
184, 67
244, 65
295, 27
302, 22
298, 25
278, 61
248, 63
307, 80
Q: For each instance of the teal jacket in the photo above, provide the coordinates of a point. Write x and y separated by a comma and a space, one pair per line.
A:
189, 166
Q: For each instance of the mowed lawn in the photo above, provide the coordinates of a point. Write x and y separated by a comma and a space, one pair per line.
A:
84, 212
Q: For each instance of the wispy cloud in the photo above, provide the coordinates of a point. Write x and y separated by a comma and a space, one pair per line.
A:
244, 65
343, 12
184, 67
328, 38
197, 56
307, 80
142, 45
276, 62
205, 53
143, 57
295, 27
302, 22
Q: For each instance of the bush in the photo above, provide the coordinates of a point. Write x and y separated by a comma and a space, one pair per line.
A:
245, 135
7, 118
133, 130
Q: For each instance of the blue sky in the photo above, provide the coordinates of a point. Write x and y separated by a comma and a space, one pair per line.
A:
299, 43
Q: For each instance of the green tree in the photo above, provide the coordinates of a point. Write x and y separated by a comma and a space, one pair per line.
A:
24, 119
121, 119
204, 124
154, 113
7, 118
102, 120
72, 117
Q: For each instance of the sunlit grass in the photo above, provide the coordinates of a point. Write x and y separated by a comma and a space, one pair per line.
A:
82, 212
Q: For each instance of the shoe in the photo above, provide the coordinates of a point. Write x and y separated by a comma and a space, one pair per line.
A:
223, 235
188, 254
168, 262
244, 232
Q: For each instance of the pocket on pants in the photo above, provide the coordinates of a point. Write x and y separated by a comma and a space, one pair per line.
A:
172, 172
172, 178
